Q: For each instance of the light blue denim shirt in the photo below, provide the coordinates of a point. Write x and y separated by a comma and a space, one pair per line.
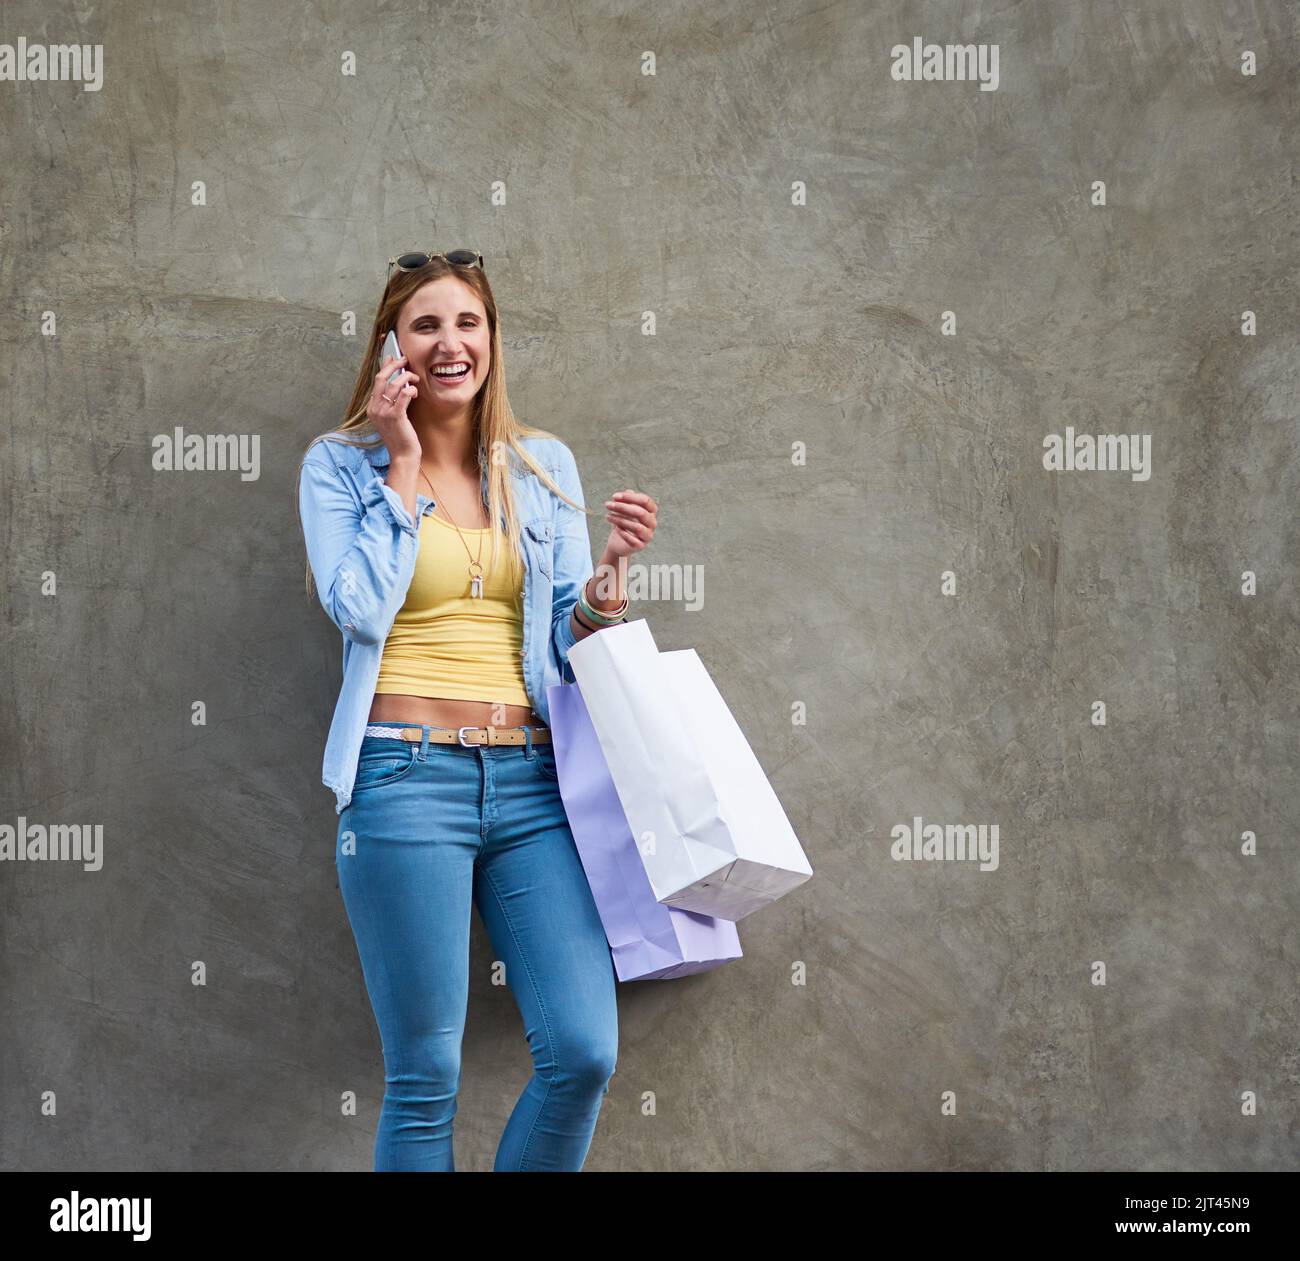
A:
362, 545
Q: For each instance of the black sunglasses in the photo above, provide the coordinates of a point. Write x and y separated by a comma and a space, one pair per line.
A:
413, 262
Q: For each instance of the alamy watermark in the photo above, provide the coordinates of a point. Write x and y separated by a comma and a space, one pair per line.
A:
59, 842
1100, 453
951, 63
103, 1213
957, 842
659, 581
178, 452
37, 63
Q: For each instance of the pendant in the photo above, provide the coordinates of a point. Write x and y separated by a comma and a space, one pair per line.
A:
476, 581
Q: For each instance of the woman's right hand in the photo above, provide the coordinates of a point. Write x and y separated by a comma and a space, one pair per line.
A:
389, 418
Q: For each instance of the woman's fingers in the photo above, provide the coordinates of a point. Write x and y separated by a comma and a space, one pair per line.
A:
405, 381
388, 366
631, 509
629, 523
634, 497
633, 529
632, 514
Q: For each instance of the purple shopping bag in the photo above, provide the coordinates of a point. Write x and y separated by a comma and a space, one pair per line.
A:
649, 941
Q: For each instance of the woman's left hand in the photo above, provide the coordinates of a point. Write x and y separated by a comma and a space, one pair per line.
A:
633, 516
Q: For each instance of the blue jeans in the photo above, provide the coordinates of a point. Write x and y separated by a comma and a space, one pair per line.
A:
431, 827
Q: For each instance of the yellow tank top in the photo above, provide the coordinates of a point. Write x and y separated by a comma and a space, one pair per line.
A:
443, 642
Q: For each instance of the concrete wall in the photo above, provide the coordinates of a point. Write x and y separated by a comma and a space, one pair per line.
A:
881, 984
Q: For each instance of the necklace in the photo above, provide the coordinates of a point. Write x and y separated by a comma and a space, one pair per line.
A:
476, 579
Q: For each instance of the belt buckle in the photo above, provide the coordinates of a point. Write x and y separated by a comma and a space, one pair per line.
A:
460, 735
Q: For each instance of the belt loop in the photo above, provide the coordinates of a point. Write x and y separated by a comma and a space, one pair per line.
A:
424, 743
528, 744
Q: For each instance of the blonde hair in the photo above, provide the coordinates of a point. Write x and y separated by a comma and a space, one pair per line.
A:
495, 423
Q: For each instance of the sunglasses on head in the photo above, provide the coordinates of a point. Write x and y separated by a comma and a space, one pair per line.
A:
413, 262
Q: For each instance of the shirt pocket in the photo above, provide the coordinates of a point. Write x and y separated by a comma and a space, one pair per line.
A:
541, 536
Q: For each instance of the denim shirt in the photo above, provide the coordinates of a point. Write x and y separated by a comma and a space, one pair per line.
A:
362, 545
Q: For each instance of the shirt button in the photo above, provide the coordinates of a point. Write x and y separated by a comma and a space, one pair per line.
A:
348, 626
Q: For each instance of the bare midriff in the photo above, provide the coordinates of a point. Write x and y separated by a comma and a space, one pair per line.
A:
440, 712
397, 707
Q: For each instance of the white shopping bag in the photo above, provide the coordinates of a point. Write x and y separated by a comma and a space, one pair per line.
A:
712, 834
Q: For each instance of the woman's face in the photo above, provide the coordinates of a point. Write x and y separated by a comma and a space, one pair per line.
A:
443, 324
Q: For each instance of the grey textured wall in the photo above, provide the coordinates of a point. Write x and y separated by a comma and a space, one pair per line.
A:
775, 323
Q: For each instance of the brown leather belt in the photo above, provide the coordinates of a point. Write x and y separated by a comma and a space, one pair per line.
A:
467, 736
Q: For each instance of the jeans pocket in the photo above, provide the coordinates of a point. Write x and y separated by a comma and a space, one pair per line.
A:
544, 760
377, 767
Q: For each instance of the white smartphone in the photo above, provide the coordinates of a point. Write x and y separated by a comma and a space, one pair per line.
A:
391, 350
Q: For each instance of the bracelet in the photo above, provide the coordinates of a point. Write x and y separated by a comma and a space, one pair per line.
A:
601, 619
589, 617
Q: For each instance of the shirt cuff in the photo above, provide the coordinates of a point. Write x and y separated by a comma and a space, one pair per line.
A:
564, 636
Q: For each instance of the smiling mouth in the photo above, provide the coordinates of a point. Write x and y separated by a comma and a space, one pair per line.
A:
452, 377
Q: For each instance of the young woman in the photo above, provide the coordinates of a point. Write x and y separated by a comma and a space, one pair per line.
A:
458, 609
